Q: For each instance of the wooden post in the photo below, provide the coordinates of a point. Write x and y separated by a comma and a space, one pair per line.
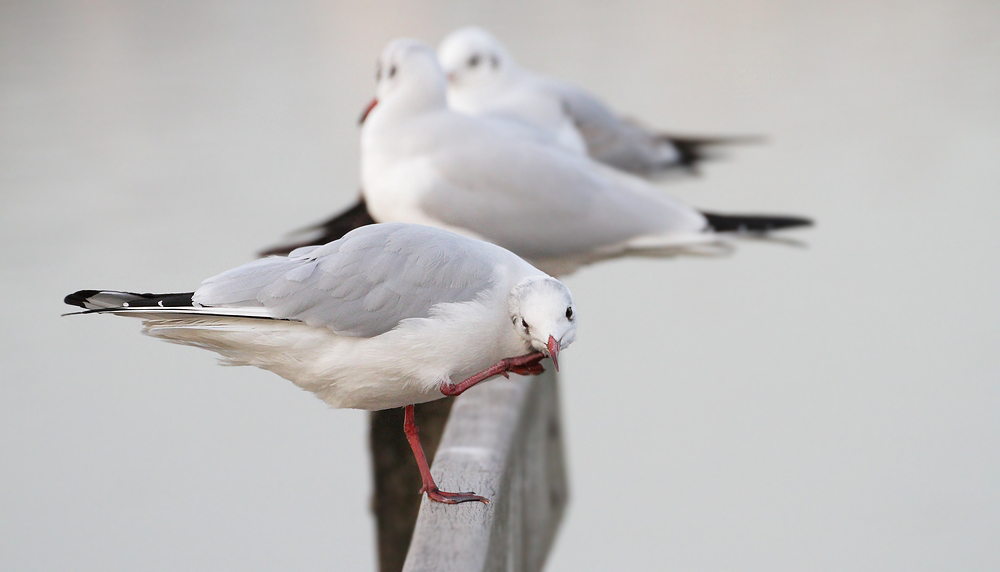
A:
503, 441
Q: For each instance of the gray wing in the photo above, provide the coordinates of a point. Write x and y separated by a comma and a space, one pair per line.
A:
615, 141
364, 284
543, 202
611, 139
630, 146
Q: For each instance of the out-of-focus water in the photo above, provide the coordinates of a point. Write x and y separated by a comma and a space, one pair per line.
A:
824, 408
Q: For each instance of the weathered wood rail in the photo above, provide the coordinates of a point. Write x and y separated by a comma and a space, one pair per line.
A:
503, 440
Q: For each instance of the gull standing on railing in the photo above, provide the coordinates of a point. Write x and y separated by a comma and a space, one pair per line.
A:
422, 162
509, 182
484, 79
388, 316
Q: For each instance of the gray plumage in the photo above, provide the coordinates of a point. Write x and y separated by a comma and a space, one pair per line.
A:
380, 318
485, 80
364, 284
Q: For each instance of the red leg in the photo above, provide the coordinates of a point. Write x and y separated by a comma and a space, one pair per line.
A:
433, 493
524, 365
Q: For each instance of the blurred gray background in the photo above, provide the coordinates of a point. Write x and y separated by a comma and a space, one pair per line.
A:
833, 407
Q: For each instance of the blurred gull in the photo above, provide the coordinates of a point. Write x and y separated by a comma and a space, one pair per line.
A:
388, 316
422, 162
484, 79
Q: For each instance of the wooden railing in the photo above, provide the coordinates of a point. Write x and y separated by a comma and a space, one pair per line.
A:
503, 440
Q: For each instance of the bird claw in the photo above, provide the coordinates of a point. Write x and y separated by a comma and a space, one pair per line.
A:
437, 495
533, 367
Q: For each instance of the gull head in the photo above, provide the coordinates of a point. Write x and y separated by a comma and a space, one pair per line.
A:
543, 314
408, 76
472, 57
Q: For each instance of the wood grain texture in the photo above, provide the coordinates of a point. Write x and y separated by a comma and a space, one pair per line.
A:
503, 441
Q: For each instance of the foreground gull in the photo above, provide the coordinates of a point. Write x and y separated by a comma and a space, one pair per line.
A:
388, 316
423, 163
484, 79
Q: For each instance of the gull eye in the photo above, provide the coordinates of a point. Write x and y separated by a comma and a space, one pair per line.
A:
378, 72
569, 313
392, 71
525, 325
474, 61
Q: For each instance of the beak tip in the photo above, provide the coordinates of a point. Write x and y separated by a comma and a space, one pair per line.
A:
553, 347
368, 109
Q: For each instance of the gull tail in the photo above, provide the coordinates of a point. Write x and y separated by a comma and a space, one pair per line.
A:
104, 300
327, 231
152, 306
692, 150
754, 224
241, 336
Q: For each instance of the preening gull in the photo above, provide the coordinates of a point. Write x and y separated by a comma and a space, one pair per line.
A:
485, 79
423, 163
388, 316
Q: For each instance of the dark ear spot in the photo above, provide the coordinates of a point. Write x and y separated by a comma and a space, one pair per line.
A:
495, 61
392, 70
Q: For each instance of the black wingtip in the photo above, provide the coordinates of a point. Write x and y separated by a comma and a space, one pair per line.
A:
690, 154
759, 224
331, 229
101, 300
693, 151
78, 298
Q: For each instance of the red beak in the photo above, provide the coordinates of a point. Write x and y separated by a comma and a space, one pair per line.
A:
553, 346
368, 109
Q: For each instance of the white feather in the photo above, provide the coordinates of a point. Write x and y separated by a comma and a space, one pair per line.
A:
378, 319
422, 162
571, 114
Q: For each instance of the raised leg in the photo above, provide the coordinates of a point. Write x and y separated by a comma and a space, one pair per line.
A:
522, 365
433, 492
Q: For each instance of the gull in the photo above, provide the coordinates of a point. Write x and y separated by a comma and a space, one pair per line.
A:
388, 316
485, 79
422, 162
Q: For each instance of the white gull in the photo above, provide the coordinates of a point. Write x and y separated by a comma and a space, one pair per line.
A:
388, 316
485, 79
422, 162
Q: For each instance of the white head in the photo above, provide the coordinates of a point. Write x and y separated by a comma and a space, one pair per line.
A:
408, 77
543, 313
471, 57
